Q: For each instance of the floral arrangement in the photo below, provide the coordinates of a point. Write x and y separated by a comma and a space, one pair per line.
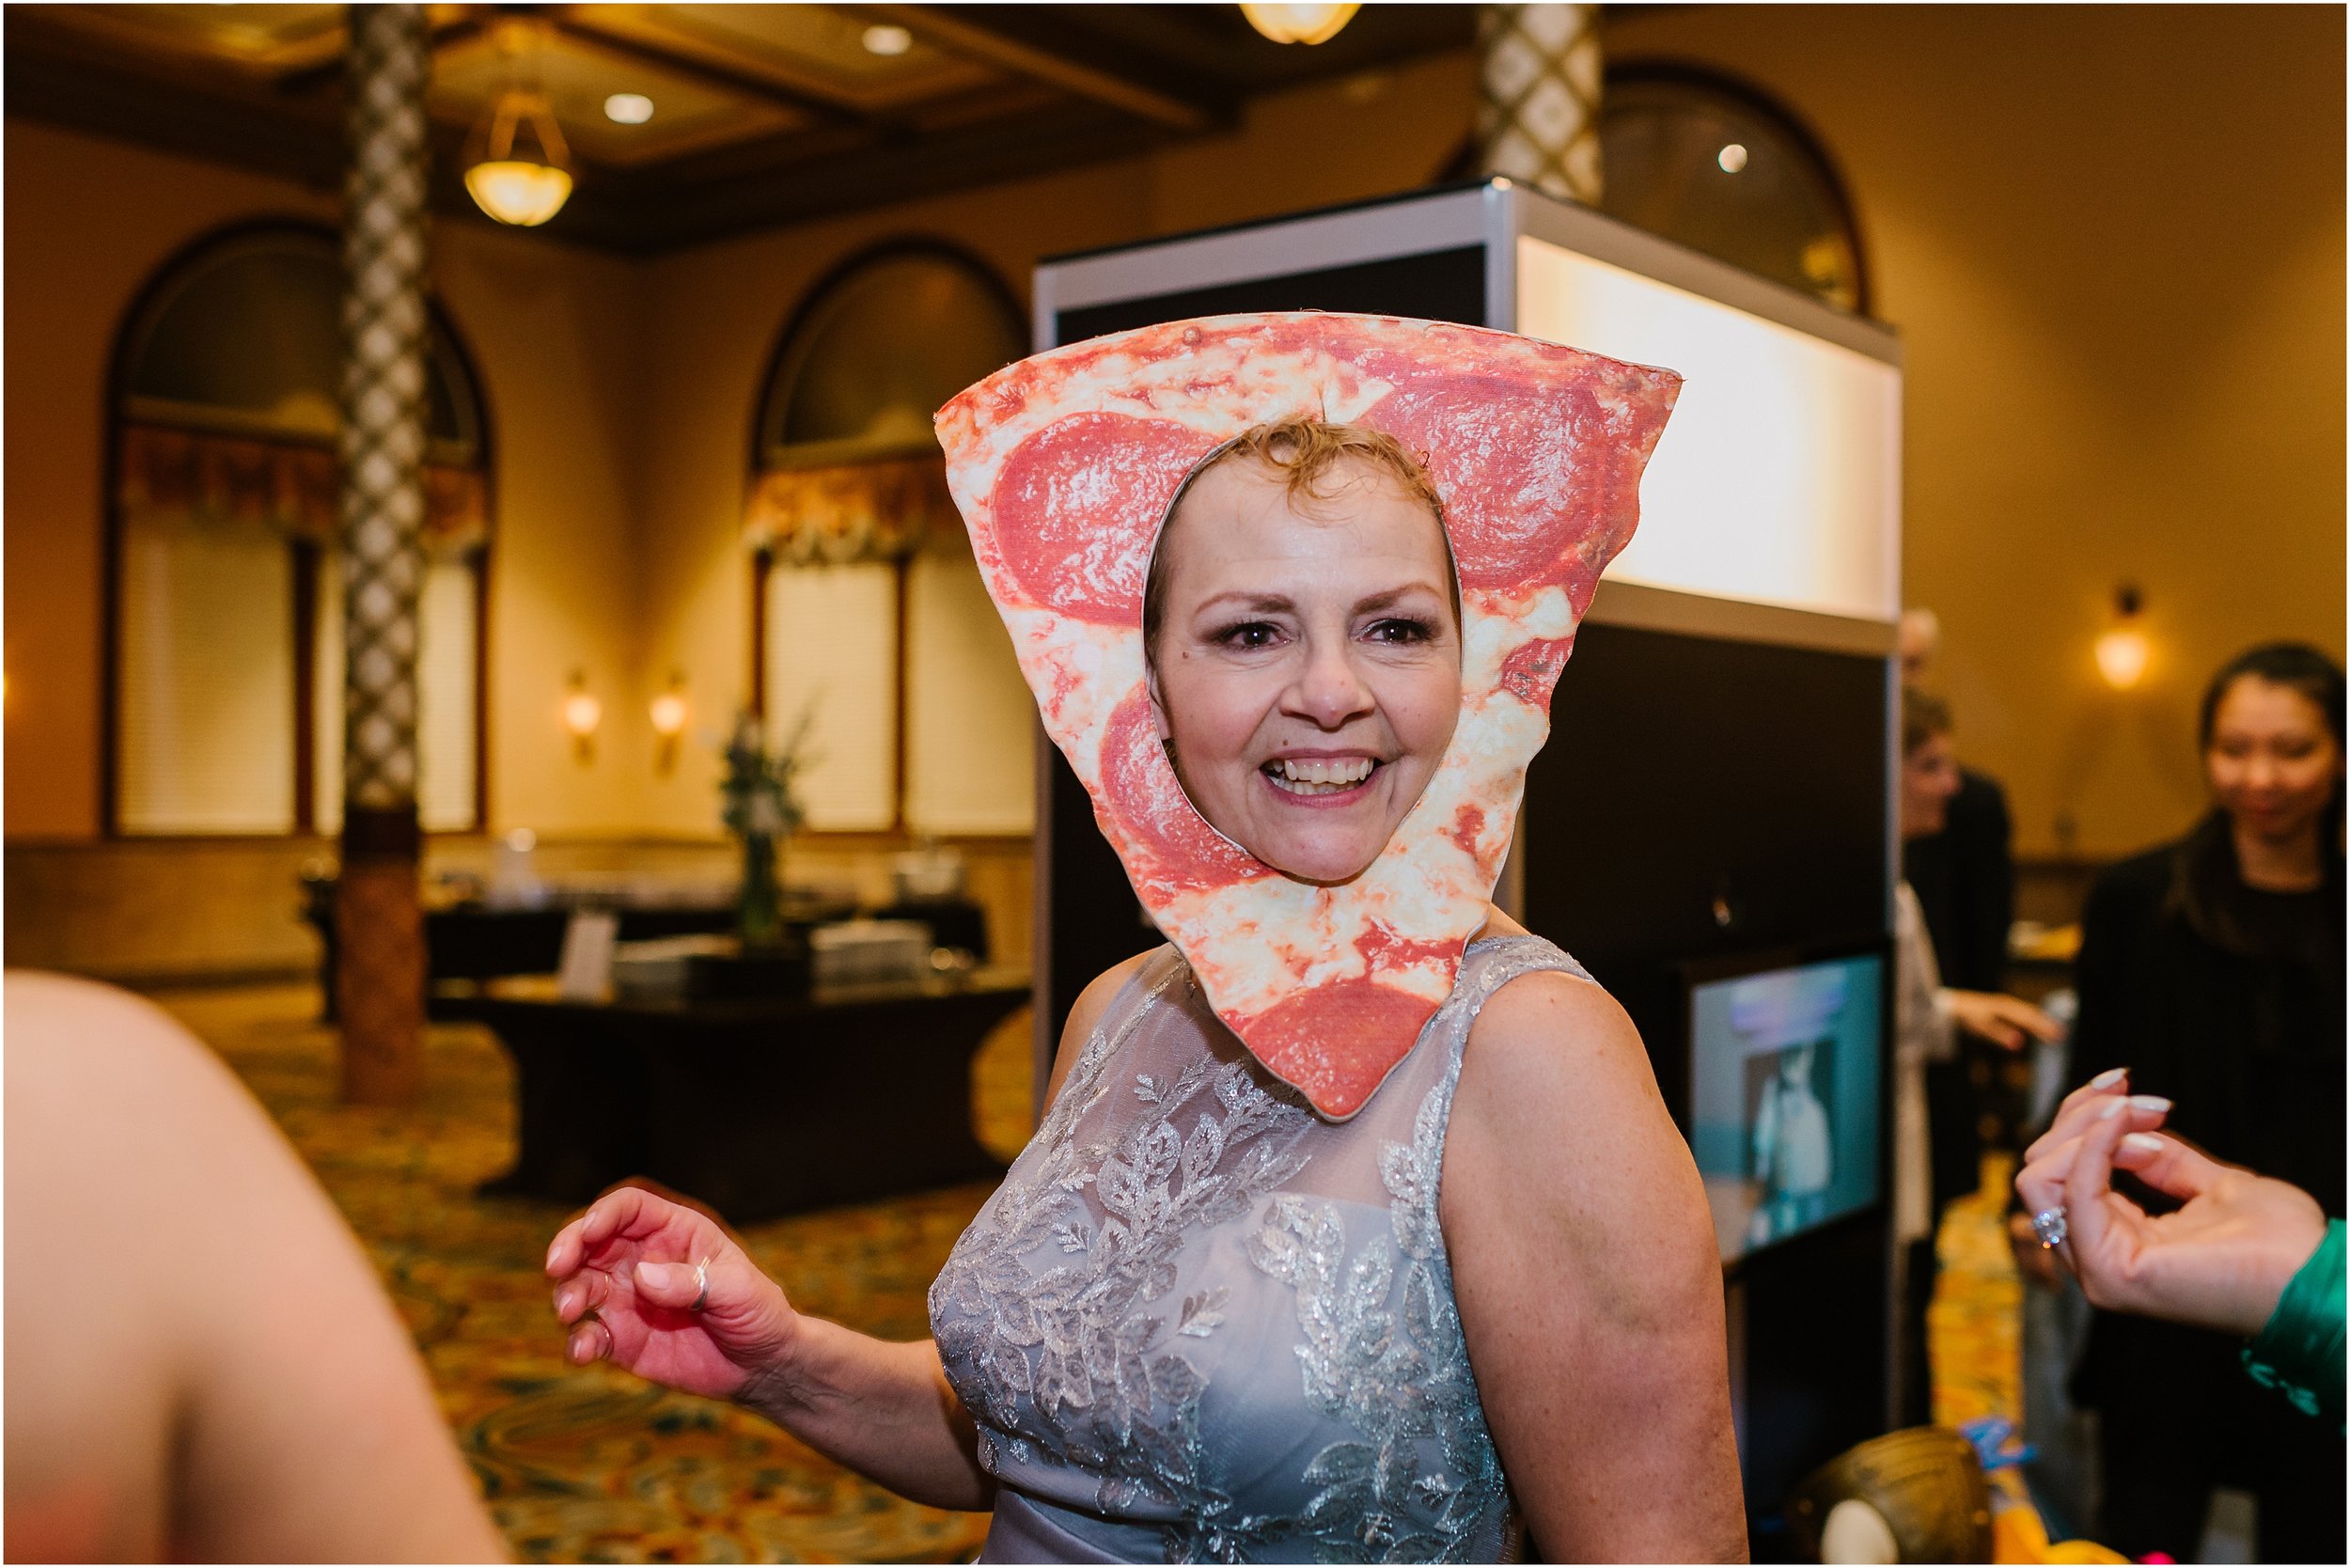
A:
758, 805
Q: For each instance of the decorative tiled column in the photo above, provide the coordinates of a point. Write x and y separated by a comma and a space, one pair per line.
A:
1537, 102
380, 968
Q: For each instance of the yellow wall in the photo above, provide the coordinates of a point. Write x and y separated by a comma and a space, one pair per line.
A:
79, 249
2112, 239
713, 315
620, 396
549, 327
554, 334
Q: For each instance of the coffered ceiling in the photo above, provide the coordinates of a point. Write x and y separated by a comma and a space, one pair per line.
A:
762, 114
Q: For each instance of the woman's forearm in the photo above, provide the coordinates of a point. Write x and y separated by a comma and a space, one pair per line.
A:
883, 1409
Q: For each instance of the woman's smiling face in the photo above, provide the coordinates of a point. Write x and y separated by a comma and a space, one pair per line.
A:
1307, 662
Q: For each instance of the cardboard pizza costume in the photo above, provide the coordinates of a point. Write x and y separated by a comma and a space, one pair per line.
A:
1064, 466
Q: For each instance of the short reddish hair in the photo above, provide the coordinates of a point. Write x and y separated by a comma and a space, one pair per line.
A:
1306, 454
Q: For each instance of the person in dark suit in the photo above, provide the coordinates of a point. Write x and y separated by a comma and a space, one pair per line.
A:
2212, 969
1965, 879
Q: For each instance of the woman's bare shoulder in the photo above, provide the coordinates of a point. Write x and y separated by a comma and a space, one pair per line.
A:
1094, 1001
1555, 1064
1086, 1014
1556, 1027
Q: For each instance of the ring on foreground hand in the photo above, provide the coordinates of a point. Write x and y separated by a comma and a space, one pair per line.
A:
701, 1284
2048, 1225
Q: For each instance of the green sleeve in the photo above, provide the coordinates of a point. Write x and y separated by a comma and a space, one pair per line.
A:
2299, 1353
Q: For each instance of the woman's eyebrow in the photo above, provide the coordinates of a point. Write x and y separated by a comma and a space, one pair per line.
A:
1263, 603
1390, 599
1280, 604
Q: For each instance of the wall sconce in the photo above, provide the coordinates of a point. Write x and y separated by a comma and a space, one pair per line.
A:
669, 722
2123, 650
582, 714
1299, 24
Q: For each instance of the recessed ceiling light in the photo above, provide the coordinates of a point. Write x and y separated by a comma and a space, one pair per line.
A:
628, 108
883, 38
1732, 158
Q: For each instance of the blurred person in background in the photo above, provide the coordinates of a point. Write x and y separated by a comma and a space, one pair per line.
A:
1929, 1017
1964, 874
2211, 969
201, 1365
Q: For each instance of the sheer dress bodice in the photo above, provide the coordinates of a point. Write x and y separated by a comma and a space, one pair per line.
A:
1200, 1322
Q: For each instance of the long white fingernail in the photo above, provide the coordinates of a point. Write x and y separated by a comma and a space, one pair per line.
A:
2111, 1109
2144, 1143
2107, 1078
2149, 1103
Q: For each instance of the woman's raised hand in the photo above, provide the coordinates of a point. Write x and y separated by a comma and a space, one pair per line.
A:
659, 1290
2219, 1262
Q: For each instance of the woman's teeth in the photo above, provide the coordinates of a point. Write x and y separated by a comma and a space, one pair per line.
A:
1302, 776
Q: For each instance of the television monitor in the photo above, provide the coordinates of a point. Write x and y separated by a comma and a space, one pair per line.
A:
1786, 1096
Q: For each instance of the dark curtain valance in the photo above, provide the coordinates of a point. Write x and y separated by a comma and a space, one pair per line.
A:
171, 475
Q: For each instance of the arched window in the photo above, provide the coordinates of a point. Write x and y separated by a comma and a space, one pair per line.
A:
1720, 168
227, 588
872, 625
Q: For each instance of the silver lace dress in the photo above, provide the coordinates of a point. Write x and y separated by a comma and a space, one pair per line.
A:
1198, 1322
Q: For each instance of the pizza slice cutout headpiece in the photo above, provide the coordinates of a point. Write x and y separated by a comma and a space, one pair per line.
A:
1064, 466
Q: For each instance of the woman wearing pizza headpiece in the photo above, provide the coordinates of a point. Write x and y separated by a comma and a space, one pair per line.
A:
1355, 1228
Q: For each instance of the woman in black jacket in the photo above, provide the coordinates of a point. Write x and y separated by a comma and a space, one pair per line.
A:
2212, 969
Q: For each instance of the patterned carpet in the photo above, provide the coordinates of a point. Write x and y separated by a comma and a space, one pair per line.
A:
1975, 1325
591, 1466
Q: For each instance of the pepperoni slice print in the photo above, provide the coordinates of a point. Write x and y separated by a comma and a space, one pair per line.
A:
1338, 1042
1077, 505
1065, 464
1169, 848
1531, 673
1525, 474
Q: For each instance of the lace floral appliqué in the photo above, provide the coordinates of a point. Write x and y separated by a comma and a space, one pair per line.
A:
1164, 1230
1086, 1346
1397, 1384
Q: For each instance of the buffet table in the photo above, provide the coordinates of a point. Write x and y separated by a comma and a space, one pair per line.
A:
755, 1107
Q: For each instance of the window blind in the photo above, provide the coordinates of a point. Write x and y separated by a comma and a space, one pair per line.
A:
832, 653
205, 705
446, 694
970, 722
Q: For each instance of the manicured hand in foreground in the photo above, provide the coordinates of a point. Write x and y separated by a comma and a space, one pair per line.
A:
626, 1284
2221, 1262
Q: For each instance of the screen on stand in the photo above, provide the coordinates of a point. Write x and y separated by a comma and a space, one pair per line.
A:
1784, 1097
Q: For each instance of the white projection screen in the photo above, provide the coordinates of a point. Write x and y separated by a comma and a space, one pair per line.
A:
1778, 481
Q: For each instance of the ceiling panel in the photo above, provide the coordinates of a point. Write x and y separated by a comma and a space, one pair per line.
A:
263, 39
812, 49
762, 114
690, 112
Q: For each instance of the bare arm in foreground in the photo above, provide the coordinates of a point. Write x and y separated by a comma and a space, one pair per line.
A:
201, 1364
1589, 1288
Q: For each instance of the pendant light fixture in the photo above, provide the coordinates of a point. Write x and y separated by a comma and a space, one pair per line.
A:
517, 166
1299, 24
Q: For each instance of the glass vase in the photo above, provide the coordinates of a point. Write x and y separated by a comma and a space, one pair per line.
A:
758, 919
